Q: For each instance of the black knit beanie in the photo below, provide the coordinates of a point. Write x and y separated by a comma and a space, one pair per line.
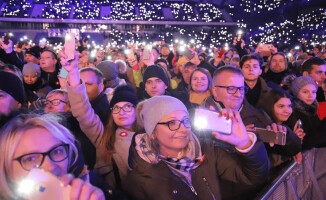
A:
34, 51
124, 93
155, 71
11, 84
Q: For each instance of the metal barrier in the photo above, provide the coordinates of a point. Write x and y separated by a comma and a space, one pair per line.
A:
299, 181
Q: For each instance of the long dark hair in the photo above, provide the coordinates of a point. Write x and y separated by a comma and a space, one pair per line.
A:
274, 96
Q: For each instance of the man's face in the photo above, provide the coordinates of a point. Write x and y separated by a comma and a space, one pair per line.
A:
48, 62
318, 73
251, 70
121, 56
8, 103
227, 60
278, 64
227, 78
56, 103
315, 51
83, 62
187, 72
165, 51
99, 55
93, 89
30, 58
155, 86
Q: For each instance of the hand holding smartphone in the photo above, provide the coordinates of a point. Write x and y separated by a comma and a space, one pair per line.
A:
7, 37
147, 53
41, 184
221, 52
271, 136
189, 54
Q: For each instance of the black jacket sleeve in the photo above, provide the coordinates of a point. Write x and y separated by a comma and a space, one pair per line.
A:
15, 60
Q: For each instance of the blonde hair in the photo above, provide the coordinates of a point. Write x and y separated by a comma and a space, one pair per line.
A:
11, 134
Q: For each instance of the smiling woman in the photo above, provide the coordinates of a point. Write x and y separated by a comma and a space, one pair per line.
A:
305, 105
31, 141
170, 162
200, 86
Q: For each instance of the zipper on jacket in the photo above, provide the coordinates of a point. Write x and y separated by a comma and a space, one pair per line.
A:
189, 185
209, 188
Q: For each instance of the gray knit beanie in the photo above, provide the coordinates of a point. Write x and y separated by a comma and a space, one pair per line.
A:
109, 69
152, 110
110, 72
31, 68
300, 82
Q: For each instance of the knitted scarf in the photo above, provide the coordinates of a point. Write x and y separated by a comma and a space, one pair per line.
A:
307, 109
191, 157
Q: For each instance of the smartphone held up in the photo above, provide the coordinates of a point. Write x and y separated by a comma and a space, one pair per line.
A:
212, 121
70, 46
7, 38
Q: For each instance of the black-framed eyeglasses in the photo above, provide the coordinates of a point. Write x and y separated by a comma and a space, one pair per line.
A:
234, 89
54, 102
32, 160
126, 108
175, 124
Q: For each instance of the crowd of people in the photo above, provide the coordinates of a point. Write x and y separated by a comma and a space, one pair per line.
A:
120, 125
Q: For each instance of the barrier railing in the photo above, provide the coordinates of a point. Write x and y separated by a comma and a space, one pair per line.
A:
298, 181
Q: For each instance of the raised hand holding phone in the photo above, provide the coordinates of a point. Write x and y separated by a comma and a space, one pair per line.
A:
6, 43
71, 66
297, 129
239, 136
148, 57
70, 46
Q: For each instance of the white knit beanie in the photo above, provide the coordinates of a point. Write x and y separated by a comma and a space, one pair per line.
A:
155, 108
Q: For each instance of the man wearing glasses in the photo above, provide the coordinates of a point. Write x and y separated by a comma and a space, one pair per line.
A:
229, 92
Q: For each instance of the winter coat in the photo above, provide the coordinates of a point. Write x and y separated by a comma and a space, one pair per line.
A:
275, 77
89, 123
314, 128
101, 107
157, 181
263, 93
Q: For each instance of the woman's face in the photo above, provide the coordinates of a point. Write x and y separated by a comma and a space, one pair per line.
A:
199, 82
124, 119
307, 94
37, 140
30, 78
282, 110
172, 142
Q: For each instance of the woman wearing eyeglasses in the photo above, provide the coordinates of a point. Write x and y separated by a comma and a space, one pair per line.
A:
170, 162
31, 141
119, 132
